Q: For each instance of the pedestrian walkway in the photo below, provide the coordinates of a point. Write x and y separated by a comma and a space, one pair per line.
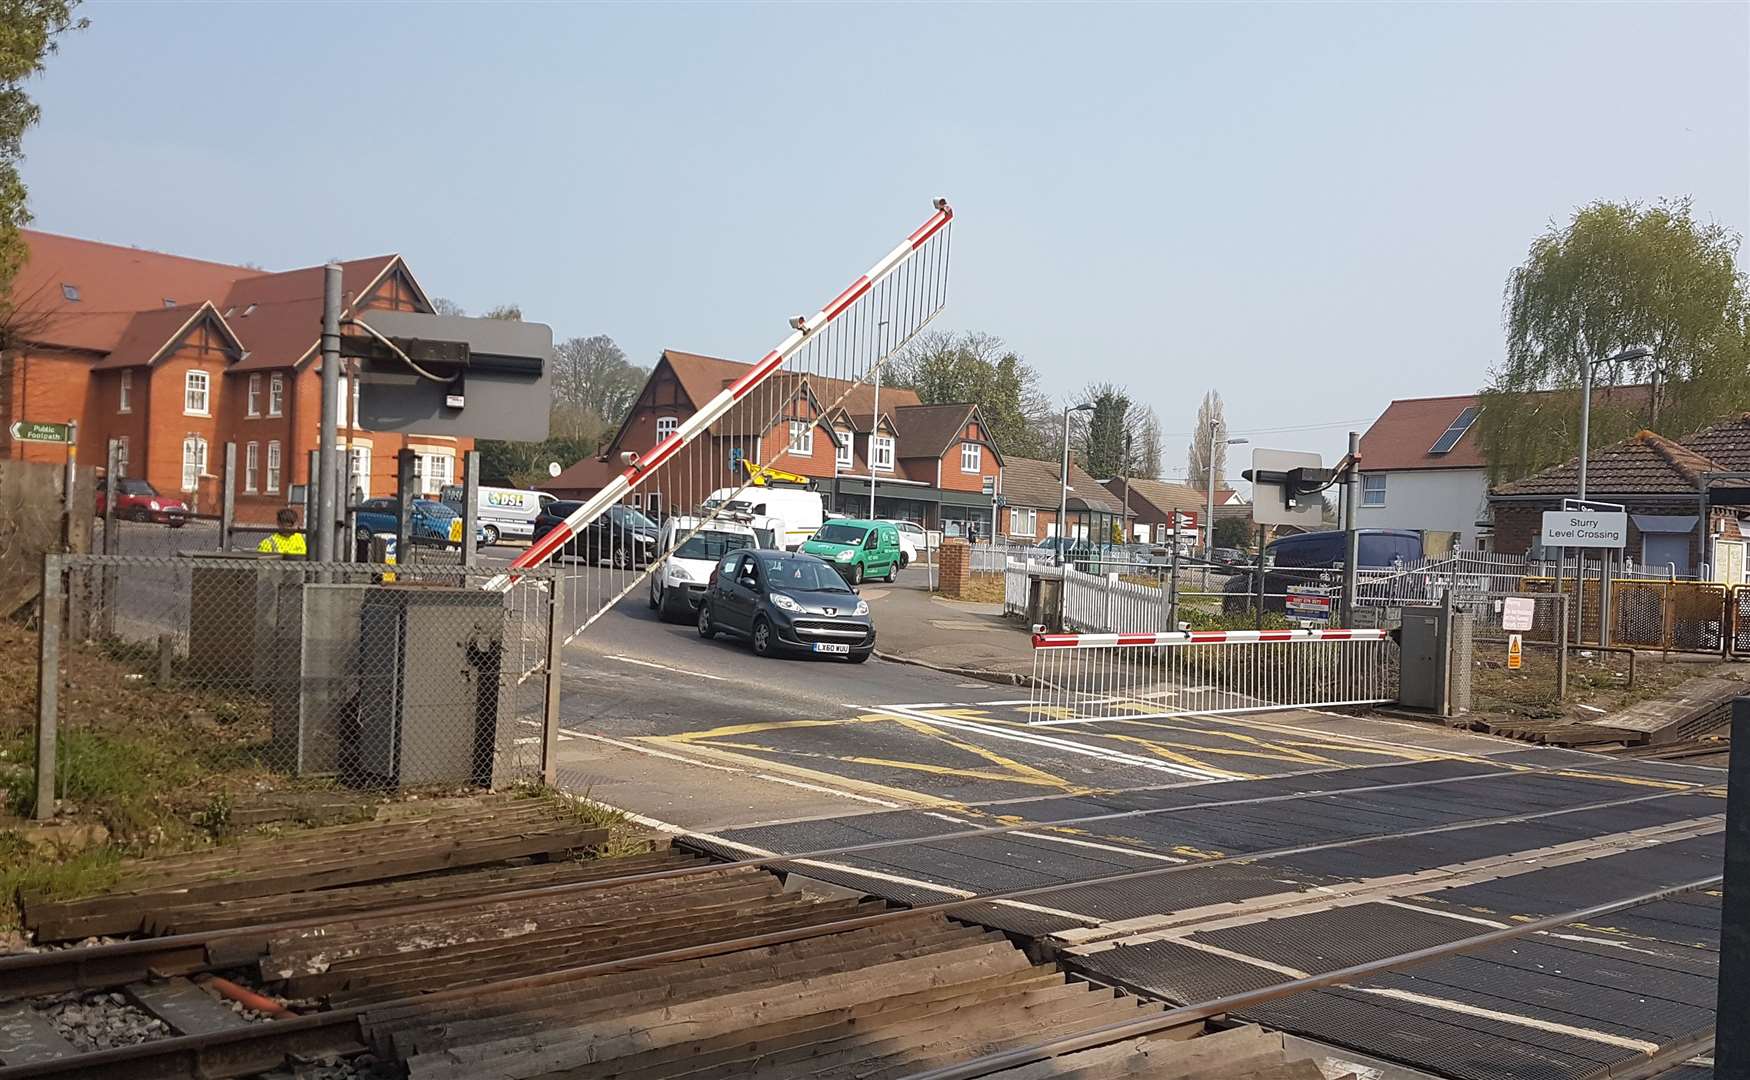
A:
915, 626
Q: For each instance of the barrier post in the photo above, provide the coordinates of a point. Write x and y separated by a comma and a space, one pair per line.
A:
48, 685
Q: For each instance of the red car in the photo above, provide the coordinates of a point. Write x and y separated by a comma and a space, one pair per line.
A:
136, 500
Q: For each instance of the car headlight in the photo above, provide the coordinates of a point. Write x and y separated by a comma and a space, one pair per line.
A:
845, 556
677, 574
153, 504
862, 608
782, 601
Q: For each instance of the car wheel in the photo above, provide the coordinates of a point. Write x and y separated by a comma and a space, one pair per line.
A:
856, 573
488, 535
361, 535
707, 629
620, 559
762, 638
862, 657
673, 606
892, 572
140, 513
904, 560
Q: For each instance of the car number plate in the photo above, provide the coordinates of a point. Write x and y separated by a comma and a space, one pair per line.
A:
831, 647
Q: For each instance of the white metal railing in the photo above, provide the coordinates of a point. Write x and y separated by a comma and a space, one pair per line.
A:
1091, 602
1083, 678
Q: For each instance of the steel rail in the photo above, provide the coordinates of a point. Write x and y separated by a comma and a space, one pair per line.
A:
58, 970
1206, 1010
202, 1053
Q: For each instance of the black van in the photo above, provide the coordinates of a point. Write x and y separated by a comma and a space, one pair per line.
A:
1317, 559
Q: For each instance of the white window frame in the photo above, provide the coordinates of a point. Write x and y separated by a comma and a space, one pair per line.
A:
197, 394
846, 453
251, 466
971, 457
361, 470
1372, 495
125, 397
276, 393
665, 426
802, 438
430, 480
881, 452
194, 462
1018, 514
121, 455
273, 466
255, 395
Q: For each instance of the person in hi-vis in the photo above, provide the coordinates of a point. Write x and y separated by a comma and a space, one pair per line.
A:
285, 541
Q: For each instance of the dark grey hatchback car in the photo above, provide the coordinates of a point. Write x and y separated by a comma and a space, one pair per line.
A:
786, 602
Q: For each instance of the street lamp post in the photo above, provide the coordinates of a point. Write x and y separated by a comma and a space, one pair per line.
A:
1063, 482
1636, 353
1209, 507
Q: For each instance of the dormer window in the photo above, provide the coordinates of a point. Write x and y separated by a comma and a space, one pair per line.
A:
70, 292
169, 302
248, 311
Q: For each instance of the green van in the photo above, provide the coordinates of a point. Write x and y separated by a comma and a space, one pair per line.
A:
858, 549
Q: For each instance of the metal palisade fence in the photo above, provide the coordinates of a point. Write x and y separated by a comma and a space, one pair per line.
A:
382, 676
725, 467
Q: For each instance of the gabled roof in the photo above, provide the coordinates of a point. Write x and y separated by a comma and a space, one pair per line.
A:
1031, 482
150, 334
862, 423
1643, 464
927, 431
590, 474
759, 411
114, 283
1164, 496
285, 326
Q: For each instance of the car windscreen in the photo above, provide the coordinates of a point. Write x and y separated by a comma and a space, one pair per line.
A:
712, 545
137, 487
628, 518
561, 508
804, 575
840, 534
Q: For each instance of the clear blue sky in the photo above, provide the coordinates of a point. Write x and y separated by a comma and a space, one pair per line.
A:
1311, 208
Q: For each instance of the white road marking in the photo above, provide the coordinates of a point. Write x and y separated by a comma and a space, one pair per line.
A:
664, 667
1101, 847
1116, 757
1011, 701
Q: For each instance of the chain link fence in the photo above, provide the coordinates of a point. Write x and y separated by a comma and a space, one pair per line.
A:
374, 676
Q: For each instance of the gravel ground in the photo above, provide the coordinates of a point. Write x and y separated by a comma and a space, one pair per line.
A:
362, 1067
101, 1020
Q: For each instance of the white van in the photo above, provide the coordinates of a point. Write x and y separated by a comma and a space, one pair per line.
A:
502, 512
678, 584
800, 512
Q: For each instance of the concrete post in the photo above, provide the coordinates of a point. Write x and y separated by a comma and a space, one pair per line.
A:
228, 497
48, 685
1731, 1034
470, 506
111, 485
312, 523
1562, 648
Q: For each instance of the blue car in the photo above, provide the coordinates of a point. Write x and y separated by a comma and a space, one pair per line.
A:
432, 522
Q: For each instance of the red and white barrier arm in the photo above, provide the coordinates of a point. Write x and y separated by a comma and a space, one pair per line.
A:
695, 425
1199, 637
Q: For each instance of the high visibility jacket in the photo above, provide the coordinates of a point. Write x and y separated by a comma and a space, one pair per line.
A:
284, 544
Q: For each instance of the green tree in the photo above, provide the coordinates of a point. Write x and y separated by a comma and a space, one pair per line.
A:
946, 368
1233, 532
1619, 275
28, 33
1107, 447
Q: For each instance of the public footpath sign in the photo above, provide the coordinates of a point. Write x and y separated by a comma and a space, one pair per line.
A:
31, 431
1309, 603
1585, 529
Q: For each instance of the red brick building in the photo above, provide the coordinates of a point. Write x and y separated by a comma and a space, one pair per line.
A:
178, 356
928, 463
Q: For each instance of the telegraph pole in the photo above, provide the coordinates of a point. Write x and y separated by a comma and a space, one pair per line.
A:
326, 478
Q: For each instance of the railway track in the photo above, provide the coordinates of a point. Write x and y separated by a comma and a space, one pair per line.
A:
413, 969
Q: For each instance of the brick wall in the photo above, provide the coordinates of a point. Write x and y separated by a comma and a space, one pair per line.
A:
955, 560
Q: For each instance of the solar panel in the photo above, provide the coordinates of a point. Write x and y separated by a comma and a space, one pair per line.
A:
1457, 430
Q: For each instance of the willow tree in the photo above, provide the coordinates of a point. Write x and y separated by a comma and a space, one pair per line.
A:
1618, 276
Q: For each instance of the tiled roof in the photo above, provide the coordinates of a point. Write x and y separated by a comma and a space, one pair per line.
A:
590, 474
1408, 428
287, 321
928, 430
1726, 442
1643, 464
703, 376
1030, 482
1167, 497
148, 333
